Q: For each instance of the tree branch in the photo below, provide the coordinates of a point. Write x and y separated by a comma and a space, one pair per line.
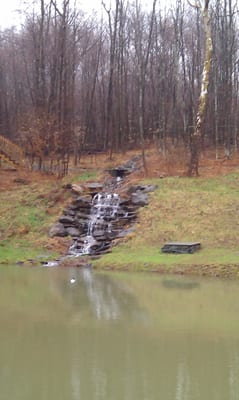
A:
197, 4
56, 8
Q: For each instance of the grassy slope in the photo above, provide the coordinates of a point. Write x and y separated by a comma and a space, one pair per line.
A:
26, 214
183, 209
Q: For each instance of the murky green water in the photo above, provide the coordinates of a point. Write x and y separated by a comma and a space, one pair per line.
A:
116, 336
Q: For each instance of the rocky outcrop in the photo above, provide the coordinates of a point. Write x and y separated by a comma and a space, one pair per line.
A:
111, 222
98, 215
123, 170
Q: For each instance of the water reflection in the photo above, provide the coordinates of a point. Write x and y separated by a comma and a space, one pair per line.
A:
99, 295
180, 283
182, 382
234, 376
102, 297
116, 337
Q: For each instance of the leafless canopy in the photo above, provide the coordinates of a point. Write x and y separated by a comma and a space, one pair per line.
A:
70, 83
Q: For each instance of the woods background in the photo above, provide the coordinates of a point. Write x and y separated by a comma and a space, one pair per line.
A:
71, 83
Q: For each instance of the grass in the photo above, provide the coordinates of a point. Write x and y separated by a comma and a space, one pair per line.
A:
151, 258
20, 250
26, 213
85, 176
181, 209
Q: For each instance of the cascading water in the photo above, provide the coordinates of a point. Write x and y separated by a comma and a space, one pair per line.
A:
105, 210
95, 222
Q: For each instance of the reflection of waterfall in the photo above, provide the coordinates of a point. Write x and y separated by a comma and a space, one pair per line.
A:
75, 383
102, 298
183, 383
234, 376
104, 213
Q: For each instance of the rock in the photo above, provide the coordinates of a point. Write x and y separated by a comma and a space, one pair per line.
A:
142, 188
67, 220
20, 263
124, 202
58, 229
120, 172
82, 216
131, 215
93, 188
139, 199
77, 188
133, 189
125, 232
150, 188
82, 226
73, 231
100, 248
81, 202
102, 236
95, 221
69, 211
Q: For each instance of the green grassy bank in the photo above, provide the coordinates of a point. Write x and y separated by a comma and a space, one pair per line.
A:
181, 209
28, 208
26, 213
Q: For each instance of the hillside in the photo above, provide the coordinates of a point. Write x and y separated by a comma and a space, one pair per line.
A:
203, 209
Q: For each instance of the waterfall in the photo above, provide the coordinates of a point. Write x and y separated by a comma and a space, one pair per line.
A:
105, 208
95, 222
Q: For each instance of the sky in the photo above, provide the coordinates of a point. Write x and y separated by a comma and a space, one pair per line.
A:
10, 15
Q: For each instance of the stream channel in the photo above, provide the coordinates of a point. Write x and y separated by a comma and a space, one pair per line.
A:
75, 334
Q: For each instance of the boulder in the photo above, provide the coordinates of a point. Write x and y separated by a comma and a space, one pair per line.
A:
58, 229
149, 188
119, 172
81, 202
67, 220
142, 188
77, 188
73, 231
94, 187
82, 216
125, 232
139, 199
69, 211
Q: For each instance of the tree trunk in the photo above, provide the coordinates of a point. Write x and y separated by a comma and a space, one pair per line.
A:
197, 134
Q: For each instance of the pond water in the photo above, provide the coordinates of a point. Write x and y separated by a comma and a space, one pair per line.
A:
69, 334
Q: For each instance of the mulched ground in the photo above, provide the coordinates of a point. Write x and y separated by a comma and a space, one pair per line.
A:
173, 164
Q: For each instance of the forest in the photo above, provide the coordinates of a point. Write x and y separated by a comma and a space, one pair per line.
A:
124, 78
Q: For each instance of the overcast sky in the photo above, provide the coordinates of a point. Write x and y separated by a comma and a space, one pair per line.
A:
9, 14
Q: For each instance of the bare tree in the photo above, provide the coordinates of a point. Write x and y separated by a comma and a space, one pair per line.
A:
70, 84
142, 50
197, 134
113, 28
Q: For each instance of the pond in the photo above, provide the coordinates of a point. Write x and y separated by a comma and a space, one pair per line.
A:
71, 334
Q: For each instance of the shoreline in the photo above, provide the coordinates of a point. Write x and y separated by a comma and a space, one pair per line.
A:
221, 271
